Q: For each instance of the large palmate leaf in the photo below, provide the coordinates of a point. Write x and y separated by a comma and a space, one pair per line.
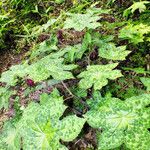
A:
11, 76
47, 67
88, 20
81, 21
97, 11
98, 76
38, 71
5, 94
134, 33
40, 127
146, 82
122, 122
110, 51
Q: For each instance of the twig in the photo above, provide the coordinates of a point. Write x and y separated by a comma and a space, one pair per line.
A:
67, 88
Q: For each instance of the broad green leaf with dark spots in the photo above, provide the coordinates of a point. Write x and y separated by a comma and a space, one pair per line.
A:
38, 71
94, 10
98, 76
81, 21
137, 138
47, 67
122, 122
40, 127
110, 51
11, 76
110, 139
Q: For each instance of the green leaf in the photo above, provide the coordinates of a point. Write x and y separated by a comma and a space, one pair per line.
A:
5, 94
139, 102
46, 46
100, 40
134, 33
137, 70
46, 67
110, 139
146, 82
72, 52
137, 138
93, 10
110, 51
38, 71
136, 6
76, 52
71, 127
11, 76
81, 21
79, 92
98, 76
85, 43
43, 129
122, 122
9, 137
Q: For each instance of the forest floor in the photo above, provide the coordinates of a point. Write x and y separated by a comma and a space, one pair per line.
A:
23, 43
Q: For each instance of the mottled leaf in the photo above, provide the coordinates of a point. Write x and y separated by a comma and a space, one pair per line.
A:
47, 67
122, 122
71, 127
110, 51
98, 76
40, 127
81, 21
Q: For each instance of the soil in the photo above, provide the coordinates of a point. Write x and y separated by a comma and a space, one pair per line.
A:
9, 58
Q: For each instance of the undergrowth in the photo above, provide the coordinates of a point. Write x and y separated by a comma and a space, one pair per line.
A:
84, 82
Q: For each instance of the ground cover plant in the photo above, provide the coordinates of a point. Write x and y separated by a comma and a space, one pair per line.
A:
74, 75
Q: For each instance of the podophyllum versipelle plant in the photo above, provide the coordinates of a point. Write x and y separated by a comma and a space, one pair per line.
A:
42, 125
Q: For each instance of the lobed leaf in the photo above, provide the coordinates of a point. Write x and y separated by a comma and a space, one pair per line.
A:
98, 76
122, 122
43, 129
110, 51
38, 71
81, 21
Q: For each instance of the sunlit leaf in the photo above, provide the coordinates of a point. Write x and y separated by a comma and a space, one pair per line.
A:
43, 129
98, 76
110, 51
122, 122
134, 33
81, 21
